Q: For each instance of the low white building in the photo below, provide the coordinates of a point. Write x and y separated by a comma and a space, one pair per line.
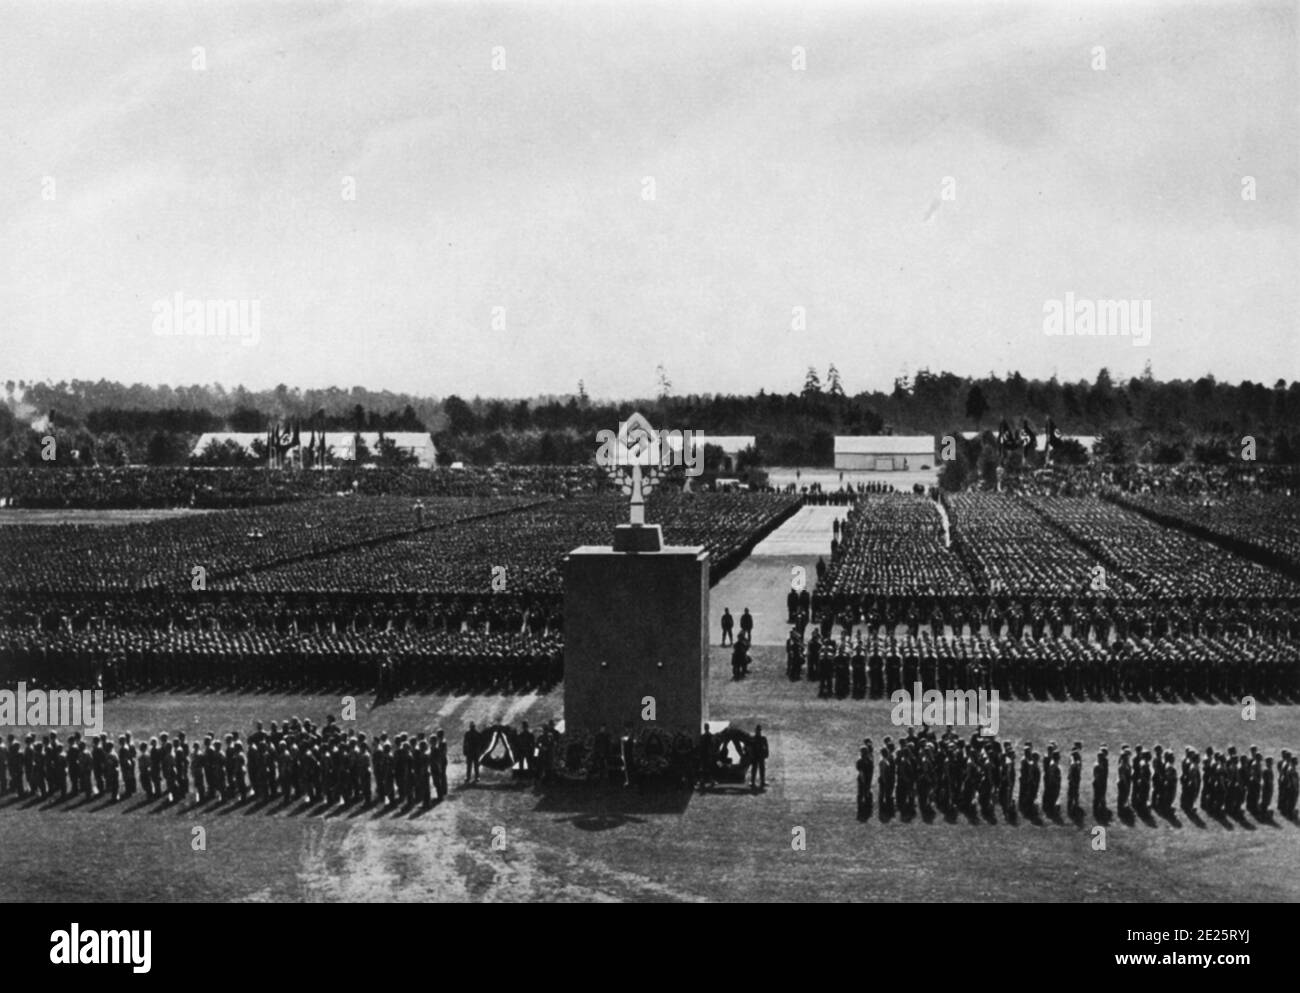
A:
885, 453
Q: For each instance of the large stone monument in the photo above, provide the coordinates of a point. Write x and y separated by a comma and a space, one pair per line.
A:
636, 613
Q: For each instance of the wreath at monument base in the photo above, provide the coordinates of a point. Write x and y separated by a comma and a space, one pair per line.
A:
656, 754
506, 757
724, 765
573, 757
653, 752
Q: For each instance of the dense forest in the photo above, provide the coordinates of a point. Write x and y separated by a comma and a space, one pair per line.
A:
1144, 419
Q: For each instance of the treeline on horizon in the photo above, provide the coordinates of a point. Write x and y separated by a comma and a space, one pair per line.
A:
1143, 419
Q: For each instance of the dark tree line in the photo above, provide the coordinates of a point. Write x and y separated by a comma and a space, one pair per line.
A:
1143, 419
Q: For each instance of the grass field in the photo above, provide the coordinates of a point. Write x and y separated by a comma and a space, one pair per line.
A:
609, 844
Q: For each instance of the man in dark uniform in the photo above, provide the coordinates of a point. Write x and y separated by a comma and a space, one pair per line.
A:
111, 766
747, 625
1124, 777
1035, 779
1142, 780
1157, 777
59, 777
31, 766
1191, 779
1074, 776
236, 763
1168, 774
739, 652
1209, 782
198, 766
1100, 773
527, 748
866, 771
546, 745
167, 763
182, 785
1254, 771
257, 764
402, 760
1008, 783
793, 656
98, 765
842, 672
86, 766
1051, 783
1026, 779
15, 760
471, 747
156, 765
758, 768
422, 774
708, 759
145, 766
728, 624
886, 781
440, 764
126, 762
826, 669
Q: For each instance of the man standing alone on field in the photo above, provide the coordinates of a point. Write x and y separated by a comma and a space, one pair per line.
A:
759, 767
470, 746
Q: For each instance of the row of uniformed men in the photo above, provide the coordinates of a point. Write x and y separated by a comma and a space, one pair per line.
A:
1200, 668
954, 774
294, 762
123, 660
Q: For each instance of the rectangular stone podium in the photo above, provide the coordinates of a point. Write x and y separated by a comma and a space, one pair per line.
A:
636, 625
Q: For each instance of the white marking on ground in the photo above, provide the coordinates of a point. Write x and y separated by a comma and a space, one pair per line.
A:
519, 707
452, 704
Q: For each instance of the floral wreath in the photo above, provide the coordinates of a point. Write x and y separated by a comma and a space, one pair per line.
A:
503, 735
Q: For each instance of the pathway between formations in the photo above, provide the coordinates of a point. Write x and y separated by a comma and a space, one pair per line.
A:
762, 581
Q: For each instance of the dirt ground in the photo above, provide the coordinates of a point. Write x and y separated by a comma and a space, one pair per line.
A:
609, 844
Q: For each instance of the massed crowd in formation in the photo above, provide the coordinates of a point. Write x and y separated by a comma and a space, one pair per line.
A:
1040, 597
351, 591
1263, 525
137, 488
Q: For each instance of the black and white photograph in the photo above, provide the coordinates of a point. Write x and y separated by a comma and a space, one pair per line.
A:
650, 452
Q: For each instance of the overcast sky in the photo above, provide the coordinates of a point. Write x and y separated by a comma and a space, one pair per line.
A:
524, 188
